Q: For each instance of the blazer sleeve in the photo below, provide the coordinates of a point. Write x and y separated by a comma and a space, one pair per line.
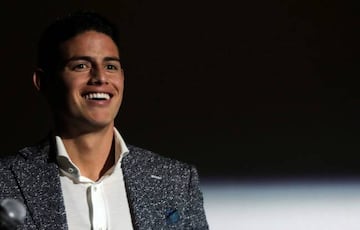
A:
195, 207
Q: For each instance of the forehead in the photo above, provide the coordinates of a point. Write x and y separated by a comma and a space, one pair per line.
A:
89, 43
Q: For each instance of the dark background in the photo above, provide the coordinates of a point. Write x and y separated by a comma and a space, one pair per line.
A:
238, 88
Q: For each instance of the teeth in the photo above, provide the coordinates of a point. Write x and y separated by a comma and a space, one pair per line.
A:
103, 96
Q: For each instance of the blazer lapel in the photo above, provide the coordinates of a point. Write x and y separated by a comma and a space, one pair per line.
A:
40, 185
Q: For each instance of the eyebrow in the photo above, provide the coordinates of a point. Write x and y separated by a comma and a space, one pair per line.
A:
90, 59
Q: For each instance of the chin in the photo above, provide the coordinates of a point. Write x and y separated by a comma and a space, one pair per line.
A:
102, 124
98, 122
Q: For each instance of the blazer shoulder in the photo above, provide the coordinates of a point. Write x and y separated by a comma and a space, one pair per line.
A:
35, 152
149, 157
7, 160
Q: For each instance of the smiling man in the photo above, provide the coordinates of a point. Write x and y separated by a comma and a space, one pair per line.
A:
84, 175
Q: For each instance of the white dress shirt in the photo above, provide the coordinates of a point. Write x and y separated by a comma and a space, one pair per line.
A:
95, 205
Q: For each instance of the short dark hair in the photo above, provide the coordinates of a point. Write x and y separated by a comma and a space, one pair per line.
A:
67, 27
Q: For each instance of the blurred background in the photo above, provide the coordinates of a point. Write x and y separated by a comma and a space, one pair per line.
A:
262, 96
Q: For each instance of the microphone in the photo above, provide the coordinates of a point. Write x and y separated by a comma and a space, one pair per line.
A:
12, 214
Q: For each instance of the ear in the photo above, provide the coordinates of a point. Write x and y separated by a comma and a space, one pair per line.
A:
38, 77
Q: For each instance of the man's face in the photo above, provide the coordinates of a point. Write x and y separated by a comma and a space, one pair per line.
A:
92, 81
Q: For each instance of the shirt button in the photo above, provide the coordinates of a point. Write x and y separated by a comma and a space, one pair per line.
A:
95, 189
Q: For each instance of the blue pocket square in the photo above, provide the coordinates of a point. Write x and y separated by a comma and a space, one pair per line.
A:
172, 216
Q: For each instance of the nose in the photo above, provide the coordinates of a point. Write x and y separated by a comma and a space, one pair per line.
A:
98, 76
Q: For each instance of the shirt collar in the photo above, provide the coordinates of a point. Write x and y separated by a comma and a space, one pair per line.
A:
69, 169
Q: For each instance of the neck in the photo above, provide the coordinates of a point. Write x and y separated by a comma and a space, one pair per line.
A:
93, 153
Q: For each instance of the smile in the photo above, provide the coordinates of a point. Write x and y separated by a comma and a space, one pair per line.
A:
97, 96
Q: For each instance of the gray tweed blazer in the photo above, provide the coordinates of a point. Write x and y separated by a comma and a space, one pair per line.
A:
163, 193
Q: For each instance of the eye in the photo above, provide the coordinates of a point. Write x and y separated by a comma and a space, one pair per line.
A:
111, 67
80, 67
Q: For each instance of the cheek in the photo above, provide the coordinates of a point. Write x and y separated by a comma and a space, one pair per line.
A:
71, 92
119, 83
72, 83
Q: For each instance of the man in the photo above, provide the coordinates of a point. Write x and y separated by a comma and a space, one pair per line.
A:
83, 175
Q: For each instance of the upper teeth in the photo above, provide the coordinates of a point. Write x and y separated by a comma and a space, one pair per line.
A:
97, 96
